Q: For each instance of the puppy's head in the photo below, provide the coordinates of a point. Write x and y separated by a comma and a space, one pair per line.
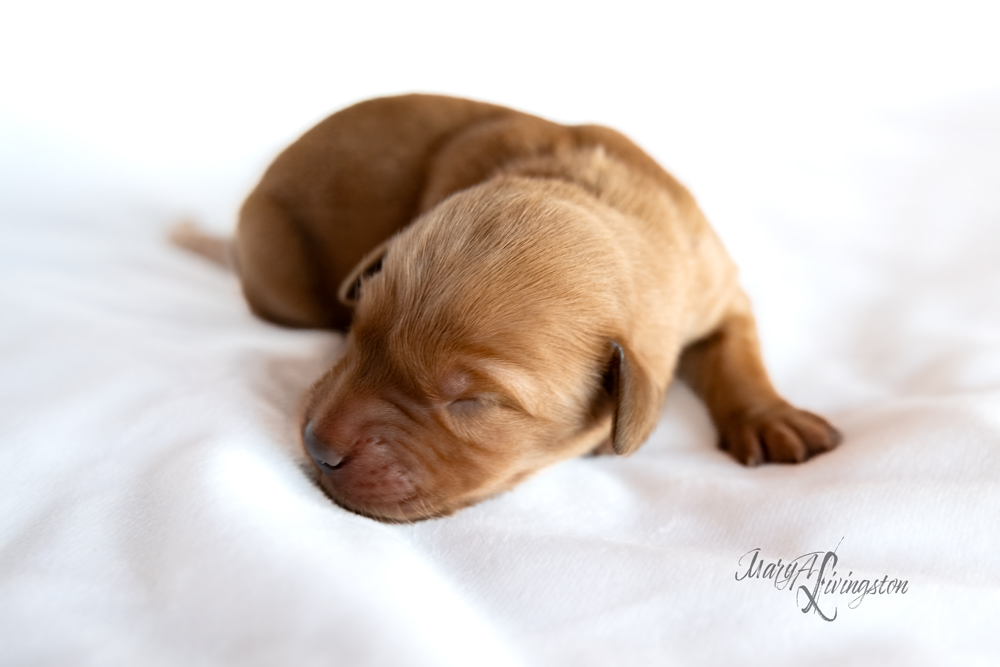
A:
488, 344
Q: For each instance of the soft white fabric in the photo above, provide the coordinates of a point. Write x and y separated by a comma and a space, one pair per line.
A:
155, 510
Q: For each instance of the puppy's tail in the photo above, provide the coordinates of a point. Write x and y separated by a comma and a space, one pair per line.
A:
216, 249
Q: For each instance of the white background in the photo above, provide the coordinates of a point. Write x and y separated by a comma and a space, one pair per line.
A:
183, 93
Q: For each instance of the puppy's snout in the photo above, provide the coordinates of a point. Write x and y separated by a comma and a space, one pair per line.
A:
326, 458
361, 465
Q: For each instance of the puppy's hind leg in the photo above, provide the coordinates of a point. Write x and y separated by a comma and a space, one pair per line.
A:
216, 249
754, 423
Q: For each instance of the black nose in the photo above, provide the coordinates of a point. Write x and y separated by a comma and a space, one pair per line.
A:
324, 457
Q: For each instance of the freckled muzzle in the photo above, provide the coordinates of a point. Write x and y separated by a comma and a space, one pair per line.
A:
360, 467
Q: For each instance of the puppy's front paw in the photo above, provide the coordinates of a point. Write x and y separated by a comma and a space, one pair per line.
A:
779, 434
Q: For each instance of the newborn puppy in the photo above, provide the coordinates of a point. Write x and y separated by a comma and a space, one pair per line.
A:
516, 293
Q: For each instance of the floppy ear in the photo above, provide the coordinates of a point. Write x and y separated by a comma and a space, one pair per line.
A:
637, 401
350, 288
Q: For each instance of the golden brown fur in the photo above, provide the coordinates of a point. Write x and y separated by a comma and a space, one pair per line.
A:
517, 292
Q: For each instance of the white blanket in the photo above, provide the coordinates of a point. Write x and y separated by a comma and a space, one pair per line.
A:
155, 510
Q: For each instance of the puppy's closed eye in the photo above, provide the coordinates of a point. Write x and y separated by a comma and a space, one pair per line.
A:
480, 406
471, 405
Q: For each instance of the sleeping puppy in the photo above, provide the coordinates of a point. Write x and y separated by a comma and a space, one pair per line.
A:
516, 293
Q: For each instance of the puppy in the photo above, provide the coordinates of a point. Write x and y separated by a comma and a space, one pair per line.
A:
516, 293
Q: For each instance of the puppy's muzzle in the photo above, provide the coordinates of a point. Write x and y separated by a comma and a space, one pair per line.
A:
359, 463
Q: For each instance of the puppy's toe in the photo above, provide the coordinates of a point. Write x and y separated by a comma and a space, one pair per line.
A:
743, 444
779, 434
817, 434
783, 445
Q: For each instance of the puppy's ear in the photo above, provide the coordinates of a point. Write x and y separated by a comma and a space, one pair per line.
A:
637, 401
350, 289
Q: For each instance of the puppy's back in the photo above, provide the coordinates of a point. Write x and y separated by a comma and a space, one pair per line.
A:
367, 171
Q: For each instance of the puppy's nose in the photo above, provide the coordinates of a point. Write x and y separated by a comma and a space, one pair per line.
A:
325, 458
